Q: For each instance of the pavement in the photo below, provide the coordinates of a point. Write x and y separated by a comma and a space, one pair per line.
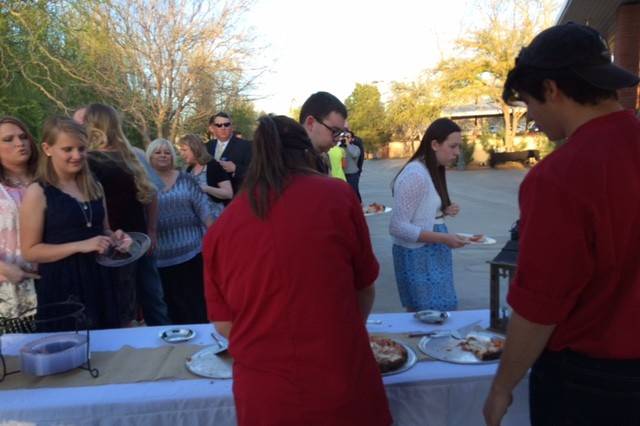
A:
488, 200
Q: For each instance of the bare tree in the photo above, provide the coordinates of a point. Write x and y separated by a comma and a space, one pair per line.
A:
158, 61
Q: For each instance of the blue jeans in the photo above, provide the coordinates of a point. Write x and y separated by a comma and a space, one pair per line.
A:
353, 179
567, 388
149, 291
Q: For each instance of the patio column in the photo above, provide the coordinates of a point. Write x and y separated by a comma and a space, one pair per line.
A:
627, 49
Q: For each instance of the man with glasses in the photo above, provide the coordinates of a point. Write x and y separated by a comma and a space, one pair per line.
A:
323, 117
233, 153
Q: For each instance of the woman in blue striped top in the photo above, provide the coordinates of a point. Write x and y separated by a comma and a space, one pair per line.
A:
184, 213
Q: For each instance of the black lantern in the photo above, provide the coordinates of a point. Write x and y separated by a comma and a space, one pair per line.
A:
503, 269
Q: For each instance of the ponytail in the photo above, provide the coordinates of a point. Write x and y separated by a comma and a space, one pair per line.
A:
281, 148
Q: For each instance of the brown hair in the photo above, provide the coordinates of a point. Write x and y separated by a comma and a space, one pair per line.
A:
195, 144
53, 127
439, 131
280, 149
104, 129
32, 162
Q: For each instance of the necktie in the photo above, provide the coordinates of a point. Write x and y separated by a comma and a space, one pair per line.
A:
219, 151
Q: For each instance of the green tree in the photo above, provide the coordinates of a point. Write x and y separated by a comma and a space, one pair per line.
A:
412, 107
367, 117
477, 72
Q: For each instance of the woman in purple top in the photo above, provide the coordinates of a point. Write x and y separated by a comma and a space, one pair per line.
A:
184, 215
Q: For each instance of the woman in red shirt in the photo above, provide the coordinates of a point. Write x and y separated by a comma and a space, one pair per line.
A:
288, 278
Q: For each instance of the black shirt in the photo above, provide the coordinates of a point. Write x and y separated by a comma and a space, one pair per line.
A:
123, 209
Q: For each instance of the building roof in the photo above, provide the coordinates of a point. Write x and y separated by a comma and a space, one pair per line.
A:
491, 109
598, 14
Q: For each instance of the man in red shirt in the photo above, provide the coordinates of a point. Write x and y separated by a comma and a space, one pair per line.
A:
576, 294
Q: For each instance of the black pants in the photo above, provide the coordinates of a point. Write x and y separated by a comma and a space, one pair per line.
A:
184, 291
566, 388
353, 179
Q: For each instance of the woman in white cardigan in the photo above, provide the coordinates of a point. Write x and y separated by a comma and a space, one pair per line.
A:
421, 242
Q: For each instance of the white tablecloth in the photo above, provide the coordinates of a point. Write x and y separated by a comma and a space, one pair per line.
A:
431, 393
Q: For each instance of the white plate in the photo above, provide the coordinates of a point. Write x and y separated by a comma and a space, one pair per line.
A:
386, 210
487, 240
207, 363
411, 361
448, 349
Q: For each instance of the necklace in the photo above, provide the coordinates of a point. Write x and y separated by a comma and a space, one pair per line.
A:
88, 219
16, 182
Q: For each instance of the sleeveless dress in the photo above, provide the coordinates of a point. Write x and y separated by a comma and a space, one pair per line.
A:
78, 276
15, 298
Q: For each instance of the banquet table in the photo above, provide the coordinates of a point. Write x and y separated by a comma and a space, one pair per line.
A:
431, 393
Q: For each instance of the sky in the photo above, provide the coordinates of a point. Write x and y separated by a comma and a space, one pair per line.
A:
330, 45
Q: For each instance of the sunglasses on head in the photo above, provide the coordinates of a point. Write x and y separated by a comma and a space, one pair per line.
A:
227, 124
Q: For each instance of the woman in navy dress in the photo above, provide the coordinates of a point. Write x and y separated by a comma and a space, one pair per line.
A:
64, 226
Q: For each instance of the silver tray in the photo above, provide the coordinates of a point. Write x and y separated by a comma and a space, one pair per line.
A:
431, 316
448, 349
177, 335
207, 363
411, 361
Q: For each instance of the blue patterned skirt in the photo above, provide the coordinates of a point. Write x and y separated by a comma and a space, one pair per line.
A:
425, 275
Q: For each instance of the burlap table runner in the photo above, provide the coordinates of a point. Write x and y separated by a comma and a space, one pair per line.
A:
127, 365
412, 342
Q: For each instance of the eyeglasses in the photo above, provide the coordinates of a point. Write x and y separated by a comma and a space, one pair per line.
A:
335, 132
218, 125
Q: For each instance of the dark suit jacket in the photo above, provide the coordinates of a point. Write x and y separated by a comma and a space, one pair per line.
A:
238, 151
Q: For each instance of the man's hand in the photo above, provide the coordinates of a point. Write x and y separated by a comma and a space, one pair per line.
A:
495, 407
228, 166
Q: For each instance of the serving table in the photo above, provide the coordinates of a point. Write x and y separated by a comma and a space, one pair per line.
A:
431, 393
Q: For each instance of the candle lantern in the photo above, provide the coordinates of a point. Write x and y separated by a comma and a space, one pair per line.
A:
502, 270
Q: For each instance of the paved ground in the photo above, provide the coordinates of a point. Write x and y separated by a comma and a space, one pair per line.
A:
488, 202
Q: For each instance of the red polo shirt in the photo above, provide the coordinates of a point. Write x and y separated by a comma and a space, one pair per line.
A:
579, 260
290, 286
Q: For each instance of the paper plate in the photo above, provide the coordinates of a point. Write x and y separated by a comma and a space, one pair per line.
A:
487, 240
113, 258
386, 210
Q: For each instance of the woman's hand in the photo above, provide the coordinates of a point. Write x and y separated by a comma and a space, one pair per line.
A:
452, 210
99, 243
454, 241
15, 274
121, 241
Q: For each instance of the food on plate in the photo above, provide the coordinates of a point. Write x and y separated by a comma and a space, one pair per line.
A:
484, 349
477, 238
374, 208
389, 354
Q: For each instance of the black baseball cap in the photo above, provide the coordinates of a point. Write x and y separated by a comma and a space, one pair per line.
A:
580, 49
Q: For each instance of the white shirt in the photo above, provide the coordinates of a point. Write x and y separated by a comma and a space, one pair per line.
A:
416, 205
220, 147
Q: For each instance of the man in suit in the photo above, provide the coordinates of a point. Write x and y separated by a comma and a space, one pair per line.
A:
233, 154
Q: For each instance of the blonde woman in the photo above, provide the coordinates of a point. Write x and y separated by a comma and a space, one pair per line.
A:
63, 225
213, 180
18, 163
184, 215
132, 205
